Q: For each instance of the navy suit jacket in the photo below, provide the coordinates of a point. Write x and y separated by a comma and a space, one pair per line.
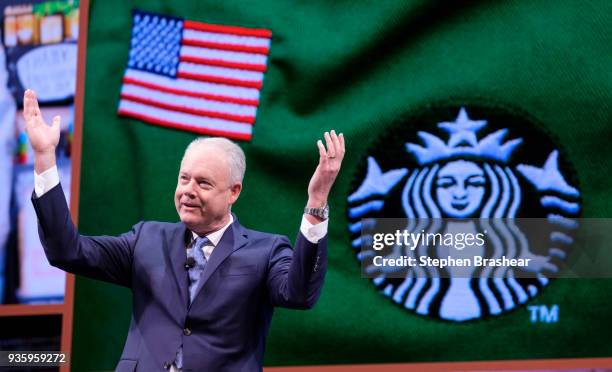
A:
225, 327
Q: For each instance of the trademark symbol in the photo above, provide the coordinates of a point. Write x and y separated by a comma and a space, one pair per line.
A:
543, 313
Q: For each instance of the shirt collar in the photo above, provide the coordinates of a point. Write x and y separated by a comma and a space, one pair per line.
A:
215, 237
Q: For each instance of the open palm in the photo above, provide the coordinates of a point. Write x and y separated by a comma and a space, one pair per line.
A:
44, 138
330, 160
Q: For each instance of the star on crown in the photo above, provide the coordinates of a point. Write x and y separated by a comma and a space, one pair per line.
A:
463, 142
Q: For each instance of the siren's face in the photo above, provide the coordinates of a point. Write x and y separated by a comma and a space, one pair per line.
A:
460, 188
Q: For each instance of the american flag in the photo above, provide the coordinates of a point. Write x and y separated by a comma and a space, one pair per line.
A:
194, 76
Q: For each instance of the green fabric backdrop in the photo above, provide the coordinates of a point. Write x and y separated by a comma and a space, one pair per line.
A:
355, 67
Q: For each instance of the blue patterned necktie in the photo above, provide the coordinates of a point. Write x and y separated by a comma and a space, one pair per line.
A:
195, 272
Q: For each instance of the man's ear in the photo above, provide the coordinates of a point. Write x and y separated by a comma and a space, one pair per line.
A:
235, 192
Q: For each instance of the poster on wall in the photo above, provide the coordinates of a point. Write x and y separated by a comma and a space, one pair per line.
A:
39, 40
41, 49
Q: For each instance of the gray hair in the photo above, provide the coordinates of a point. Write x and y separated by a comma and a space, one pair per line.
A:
235, 155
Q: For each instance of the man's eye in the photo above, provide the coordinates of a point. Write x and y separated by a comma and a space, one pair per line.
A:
204, 184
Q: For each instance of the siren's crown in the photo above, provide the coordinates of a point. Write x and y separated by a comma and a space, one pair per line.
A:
463, 142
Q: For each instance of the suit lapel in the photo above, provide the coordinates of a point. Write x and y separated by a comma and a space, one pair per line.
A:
233, 239
175, 249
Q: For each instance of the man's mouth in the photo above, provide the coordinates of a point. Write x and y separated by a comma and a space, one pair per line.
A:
190, 206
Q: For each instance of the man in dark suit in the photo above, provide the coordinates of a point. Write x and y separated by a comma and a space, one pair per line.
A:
205, 288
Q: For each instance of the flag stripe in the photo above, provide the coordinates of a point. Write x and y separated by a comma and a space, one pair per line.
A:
221, 63
240, 94
193, 129
219, 80
224, 55
232, 30
187, 110
222, 46
249, 41
222, 72
138, 110
186, 93
189, 102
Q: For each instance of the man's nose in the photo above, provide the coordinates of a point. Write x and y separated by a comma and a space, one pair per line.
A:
188, 190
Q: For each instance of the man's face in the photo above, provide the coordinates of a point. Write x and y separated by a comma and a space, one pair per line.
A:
203, 193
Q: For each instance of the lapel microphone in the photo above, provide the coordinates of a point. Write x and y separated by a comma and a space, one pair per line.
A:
190, 263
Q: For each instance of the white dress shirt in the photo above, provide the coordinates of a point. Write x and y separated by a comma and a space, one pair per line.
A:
213, 238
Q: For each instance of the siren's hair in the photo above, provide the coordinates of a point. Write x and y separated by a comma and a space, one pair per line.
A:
496, 288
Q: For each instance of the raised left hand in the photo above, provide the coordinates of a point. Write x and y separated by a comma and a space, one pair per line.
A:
330, 160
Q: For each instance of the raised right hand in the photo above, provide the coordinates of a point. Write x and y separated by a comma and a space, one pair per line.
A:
43, 137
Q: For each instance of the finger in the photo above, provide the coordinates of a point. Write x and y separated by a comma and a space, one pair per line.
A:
341, 138
57, 123
336, 142
27, 105
34, 109
330, 145
321, 149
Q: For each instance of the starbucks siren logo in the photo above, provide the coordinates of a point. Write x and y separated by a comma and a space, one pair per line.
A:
444, 164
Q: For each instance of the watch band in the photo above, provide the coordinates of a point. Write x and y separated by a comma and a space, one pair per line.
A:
322, 213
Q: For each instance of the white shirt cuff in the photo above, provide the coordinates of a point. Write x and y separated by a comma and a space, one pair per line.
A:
313, 233
45, 181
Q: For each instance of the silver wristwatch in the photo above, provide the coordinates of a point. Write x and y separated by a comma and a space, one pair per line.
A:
322, 213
